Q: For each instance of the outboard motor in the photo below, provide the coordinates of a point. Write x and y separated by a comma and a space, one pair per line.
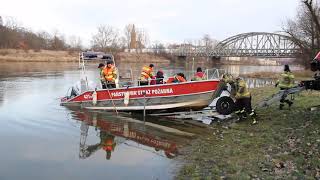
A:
315, 66
315, 63
79, 87
75, 90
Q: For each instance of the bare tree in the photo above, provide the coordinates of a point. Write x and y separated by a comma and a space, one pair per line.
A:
122, 43
12, 23
57, 42
158, 48
304, 30
142, 40
9, 33
13, 35
106, 39
314, 12
75, 43
46, 39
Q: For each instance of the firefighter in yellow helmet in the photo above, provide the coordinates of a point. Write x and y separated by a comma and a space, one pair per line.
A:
285, 82
243, 100
146, 75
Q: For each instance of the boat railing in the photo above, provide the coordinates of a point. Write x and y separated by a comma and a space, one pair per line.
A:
129, 80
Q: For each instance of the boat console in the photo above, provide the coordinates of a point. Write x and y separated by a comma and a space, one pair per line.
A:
315, 67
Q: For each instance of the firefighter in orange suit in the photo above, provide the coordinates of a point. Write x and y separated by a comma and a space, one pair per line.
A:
110, 75
177, 78
146, 75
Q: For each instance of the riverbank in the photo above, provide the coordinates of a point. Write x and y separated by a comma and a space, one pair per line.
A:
18, 55
284, 145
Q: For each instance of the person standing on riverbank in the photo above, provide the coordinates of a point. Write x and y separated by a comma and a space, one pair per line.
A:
285, 82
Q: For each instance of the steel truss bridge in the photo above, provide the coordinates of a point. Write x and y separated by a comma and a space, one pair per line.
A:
254, 44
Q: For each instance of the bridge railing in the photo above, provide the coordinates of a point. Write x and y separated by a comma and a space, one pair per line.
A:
259, 44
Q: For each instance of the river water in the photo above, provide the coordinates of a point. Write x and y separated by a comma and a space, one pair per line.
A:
42, 140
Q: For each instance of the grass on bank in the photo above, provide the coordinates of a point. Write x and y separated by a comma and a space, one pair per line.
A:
299, 75
284, 145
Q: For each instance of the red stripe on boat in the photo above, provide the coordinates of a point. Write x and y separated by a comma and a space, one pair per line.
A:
165, 90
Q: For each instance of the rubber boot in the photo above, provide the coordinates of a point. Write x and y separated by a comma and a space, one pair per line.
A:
241, 116
254, 121
253, 113
253, 116
281, 106
289, 103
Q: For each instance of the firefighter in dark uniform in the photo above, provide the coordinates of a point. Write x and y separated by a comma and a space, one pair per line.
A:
243, 100
102, 78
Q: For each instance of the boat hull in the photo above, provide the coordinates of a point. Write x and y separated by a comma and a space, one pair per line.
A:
189, 95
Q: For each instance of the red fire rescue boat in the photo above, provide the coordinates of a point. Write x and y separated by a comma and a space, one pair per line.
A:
187, 95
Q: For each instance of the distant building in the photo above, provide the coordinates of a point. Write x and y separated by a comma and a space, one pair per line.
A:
133, 41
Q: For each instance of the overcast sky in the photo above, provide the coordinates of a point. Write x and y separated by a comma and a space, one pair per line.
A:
164, 20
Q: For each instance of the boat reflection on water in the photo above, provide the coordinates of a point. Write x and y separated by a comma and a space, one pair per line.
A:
115, 131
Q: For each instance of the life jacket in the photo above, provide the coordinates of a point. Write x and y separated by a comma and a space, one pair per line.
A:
176, 79
146, 73
170, 80
110, 73
242, 90
180, 79
286, 81
199, 76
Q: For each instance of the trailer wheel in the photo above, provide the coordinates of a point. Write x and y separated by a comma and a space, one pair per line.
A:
225, 105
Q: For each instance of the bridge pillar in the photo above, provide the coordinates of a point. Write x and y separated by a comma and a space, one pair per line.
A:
216, 58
